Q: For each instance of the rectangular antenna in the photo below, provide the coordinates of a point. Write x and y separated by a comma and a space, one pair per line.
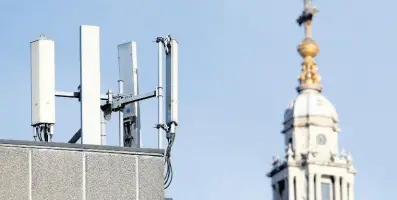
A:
171, 96
90, 85
42, 59
128, 74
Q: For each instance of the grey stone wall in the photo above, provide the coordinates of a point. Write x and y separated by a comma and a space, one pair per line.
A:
57, 171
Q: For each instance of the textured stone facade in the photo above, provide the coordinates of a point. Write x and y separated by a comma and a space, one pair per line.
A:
57, 171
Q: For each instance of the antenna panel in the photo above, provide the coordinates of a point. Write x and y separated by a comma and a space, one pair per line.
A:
171, 96
128, 73
42, 59
90, 85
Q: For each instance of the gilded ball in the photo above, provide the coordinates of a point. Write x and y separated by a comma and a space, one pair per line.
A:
308, 48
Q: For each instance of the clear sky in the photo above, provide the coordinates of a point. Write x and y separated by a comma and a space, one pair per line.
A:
238, 72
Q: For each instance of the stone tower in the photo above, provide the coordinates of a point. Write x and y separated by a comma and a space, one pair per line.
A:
313, 168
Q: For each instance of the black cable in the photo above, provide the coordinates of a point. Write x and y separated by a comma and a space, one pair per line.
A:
45, 134
39, 136
39, 131
166, 43
170, 177
169, 171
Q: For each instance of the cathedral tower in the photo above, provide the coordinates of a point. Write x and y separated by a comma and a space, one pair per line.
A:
313, 168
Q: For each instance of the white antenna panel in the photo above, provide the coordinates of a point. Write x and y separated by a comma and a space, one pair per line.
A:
90, 85
42, 58
128, 73
171, 96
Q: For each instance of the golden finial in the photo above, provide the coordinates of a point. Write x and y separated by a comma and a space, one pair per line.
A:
308, 49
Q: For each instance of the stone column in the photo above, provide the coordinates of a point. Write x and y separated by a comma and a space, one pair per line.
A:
298, 186
318, 186
344, 189
311, 187
337, 191
351, 191
291, 191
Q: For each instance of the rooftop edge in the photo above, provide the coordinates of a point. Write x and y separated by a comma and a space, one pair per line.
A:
82, 147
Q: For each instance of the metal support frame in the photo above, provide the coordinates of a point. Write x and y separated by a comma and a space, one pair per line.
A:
120, 101
75, 95
75, 137
103, 129
117, 101
113, 104
121, 117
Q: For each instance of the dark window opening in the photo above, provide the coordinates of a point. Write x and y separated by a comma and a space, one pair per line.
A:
281, 187
296, 198
290, 143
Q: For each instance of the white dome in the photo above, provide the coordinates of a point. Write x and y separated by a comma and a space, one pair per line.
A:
310, 103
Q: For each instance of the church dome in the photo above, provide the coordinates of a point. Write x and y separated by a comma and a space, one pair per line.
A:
309, 106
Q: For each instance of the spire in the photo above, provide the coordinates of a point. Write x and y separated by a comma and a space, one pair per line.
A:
308, 49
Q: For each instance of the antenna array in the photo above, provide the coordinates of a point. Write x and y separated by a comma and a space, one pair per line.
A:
125, 102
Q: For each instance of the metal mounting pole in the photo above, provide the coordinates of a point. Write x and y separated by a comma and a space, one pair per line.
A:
103, 129
121, 118
160, 95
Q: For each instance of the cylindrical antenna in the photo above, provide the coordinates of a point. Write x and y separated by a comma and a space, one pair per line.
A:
160, 94
121, 116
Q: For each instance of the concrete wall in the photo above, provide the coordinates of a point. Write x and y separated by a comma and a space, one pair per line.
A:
57, 171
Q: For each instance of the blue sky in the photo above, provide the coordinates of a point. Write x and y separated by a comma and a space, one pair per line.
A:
238, 72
